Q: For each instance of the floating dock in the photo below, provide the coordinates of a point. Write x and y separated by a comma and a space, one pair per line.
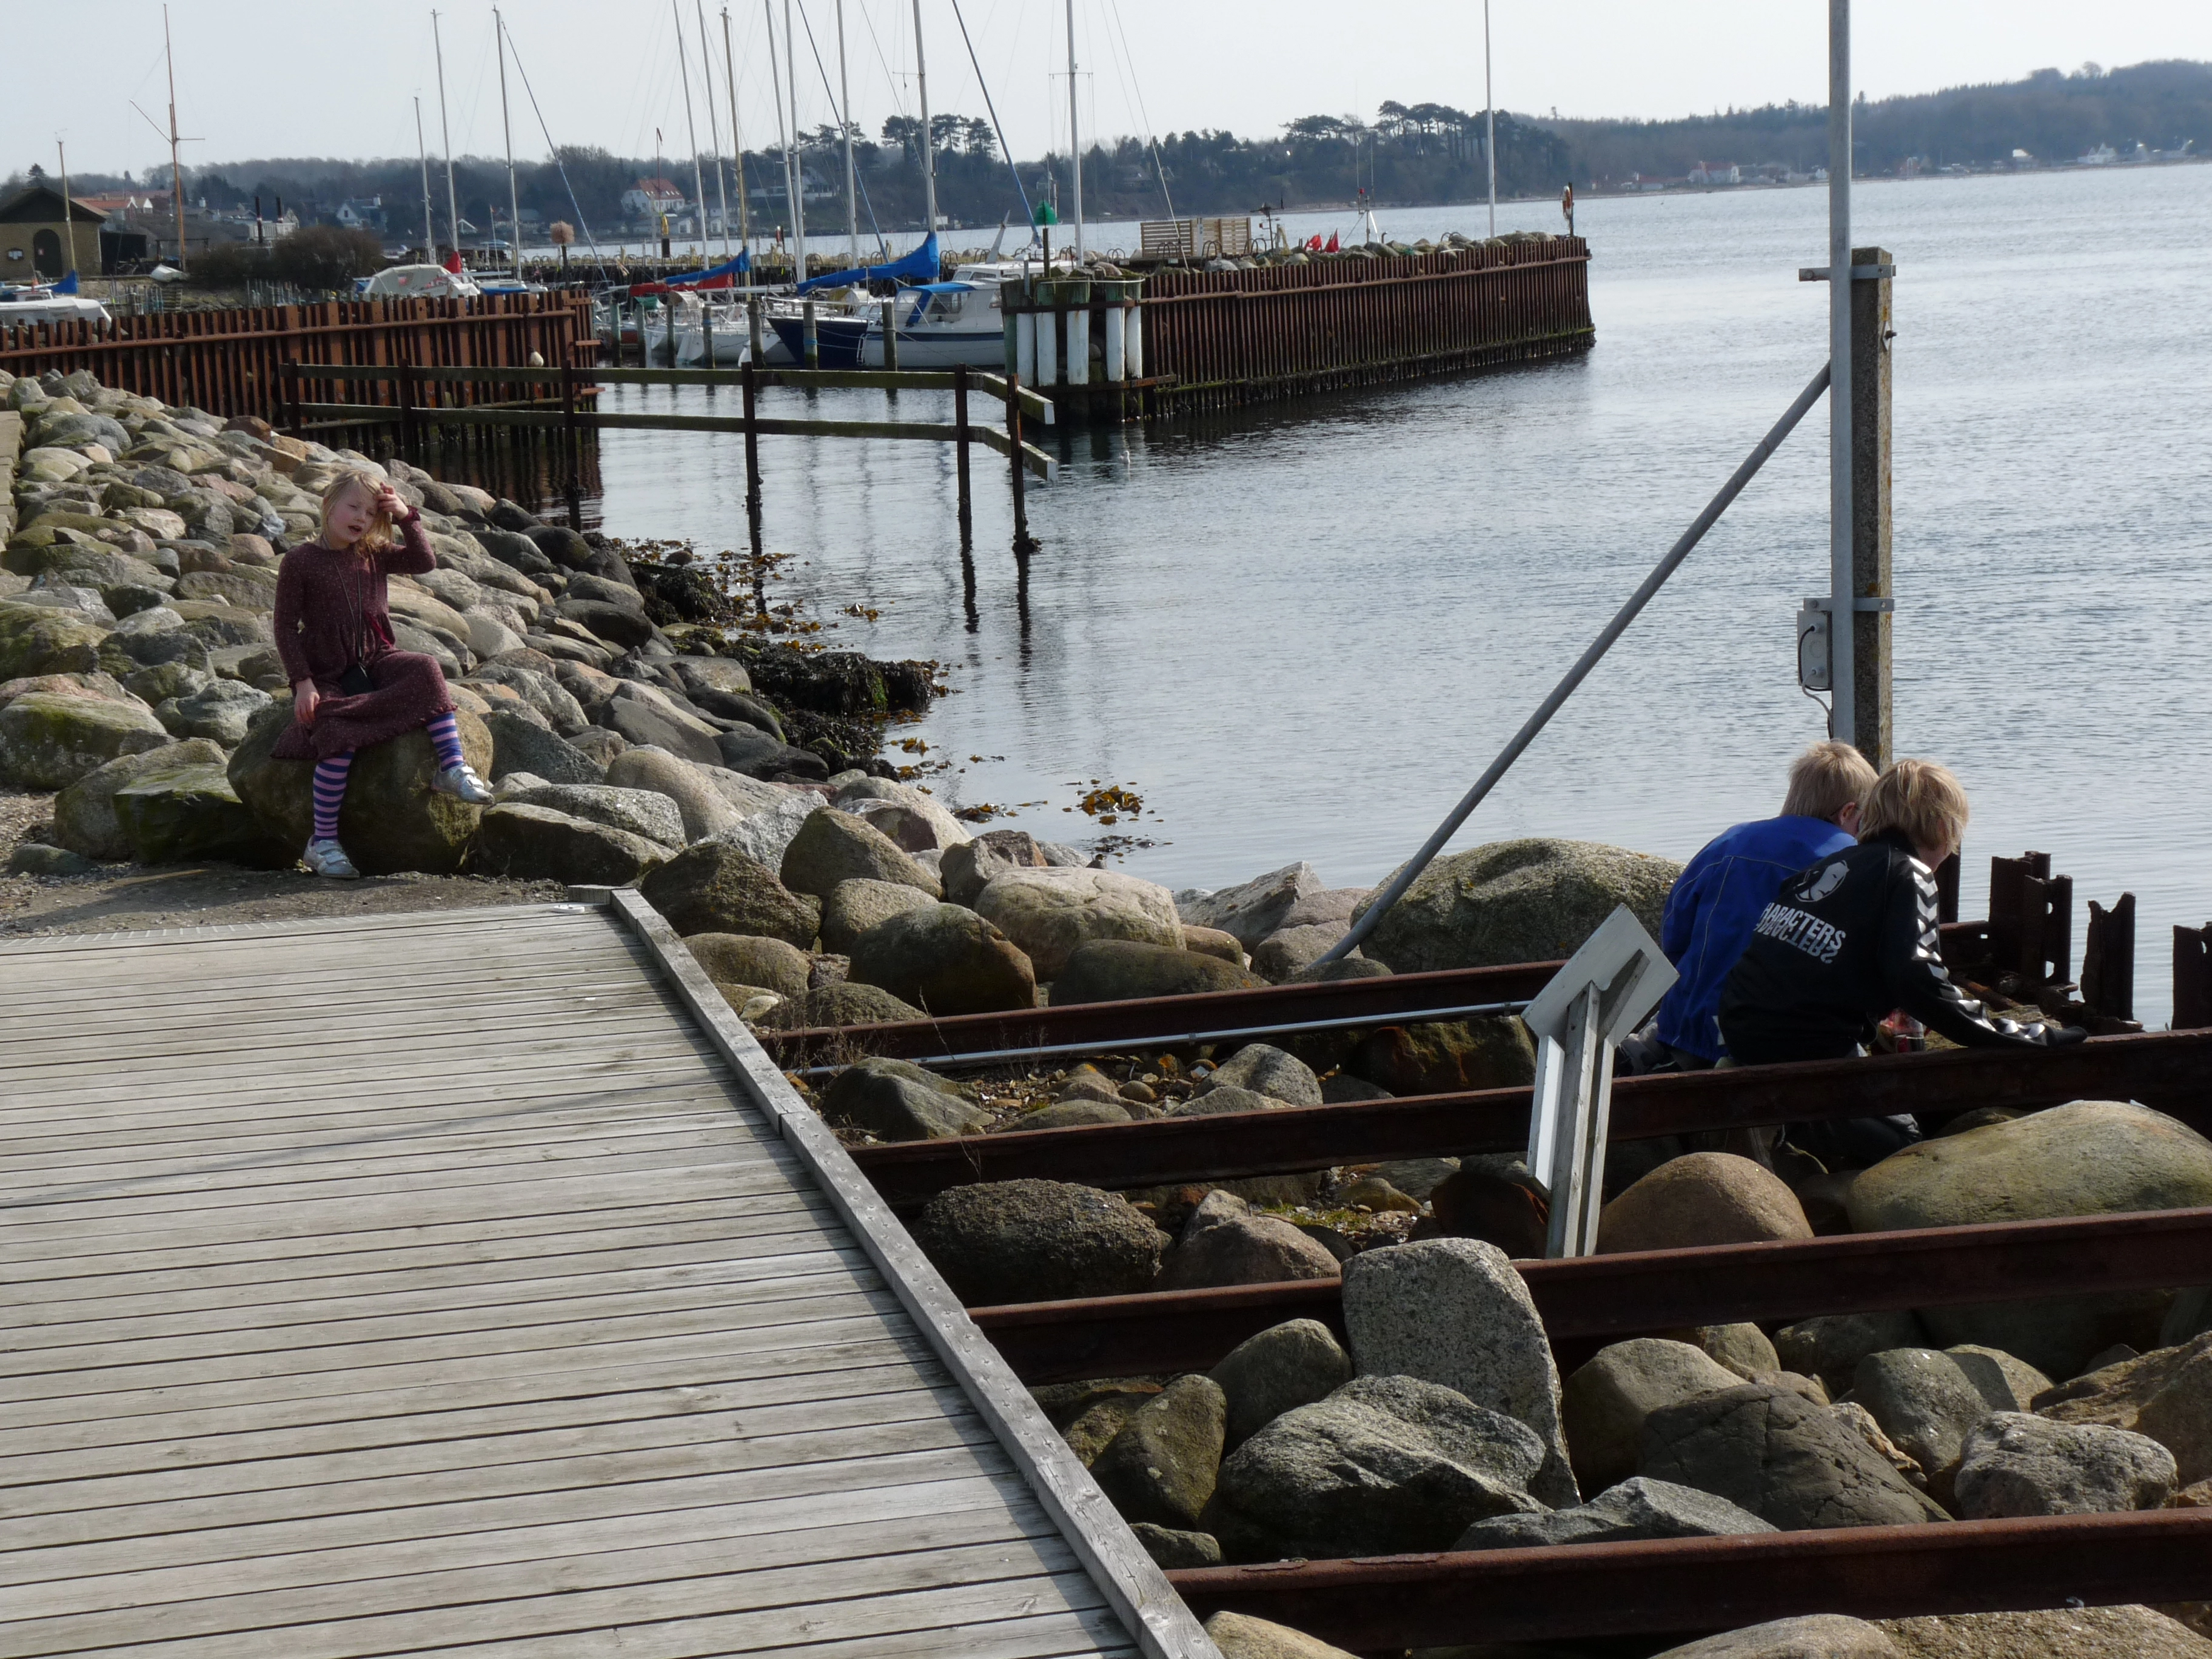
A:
470, 1281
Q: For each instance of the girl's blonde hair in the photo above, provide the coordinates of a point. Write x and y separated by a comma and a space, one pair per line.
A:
1919, 799
378, 536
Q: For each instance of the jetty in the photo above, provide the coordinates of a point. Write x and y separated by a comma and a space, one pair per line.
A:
472, 1280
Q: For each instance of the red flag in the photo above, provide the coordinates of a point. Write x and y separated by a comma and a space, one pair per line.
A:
1332, 247
453, 261
1313, 243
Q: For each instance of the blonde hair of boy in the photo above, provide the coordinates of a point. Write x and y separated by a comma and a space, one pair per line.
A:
1921, 800
1824, 780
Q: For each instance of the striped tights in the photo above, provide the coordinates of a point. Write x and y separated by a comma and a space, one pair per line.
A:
444, 734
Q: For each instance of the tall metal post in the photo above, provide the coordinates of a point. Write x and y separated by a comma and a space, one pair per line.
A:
798, 162
1870, 658
1490, 118
446, 137
507, 131
690, 133
1843, 679
713, 131
928, 146
1074, 135
737, 151
775, 86
177, 167
845, 120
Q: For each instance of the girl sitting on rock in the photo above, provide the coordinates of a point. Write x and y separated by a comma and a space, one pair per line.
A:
350, 686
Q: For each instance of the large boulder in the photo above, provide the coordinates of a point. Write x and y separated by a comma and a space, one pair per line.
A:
969, 866
713, 888
2165, 1394
1224, 1243
391, 820
946, 960
1284, 1367
84, 813
1785, 1459
1161, 1467
188, 810
37, 639
1385, 1466
1047, 913
2121, 1632
1266, 1070
1454, 1312
222, 710
2013, 1464
1038, 1241
521, 744
639, 812
1239, 1636
704, 810
853, 907
1534, 900
1605, 1402
2091, 1157
749, 959
841, 1003
1701, 1199
897, 1100
49, 742
1119, 969
1637, 1507
1810, 1636
1251, 911
1926, 1405
833, 847
1830, 1345
542, 844
1446, 1056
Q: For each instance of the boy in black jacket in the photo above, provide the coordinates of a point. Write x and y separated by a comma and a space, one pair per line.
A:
1852, 938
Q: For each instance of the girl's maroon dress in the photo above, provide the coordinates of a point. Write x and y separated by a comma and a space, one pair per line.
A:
333, 609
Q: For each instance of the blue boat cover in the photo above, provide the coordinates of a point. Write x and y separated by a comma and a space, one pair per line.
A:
925, 262
714, 274
67, 285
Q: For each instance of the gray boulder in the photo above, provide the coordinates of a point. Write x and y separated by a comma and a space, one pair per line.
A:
1251, 911
1171, 1547
84, 813
49, 742
1161, 1467
1048, 913
715, 889
842, 1003
1813, 1635
2009, 1384
1637, 1508
2013, 1463
1117, 971
1225, 1102
1454, 1311
704, 808
639, 812
2091, 1157
2121, 1632
222, 710
1290, 950
1284, 1367
897, 1100
1384, 1466
760, 754
188, 810
1239, 1636
969, 866
852, 907
749, 959
1534, 900
833, 847
1925, 1404
521, 744
944, 959
1224, 1243
1830, 1345
1075, 1115
1447, 1056
542, 844
1605, 1403
1038, 1241
1787, 1460
1268, 1071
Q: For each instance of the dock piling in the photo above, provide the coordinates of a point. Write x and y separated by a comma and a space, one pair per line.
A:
811, 339
960, 454
751, 384
753, 323
890, 335
1024, 544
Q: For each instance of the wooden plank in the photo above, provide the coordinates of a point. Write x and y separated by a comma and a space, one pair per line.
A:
1134, 1586
552, 919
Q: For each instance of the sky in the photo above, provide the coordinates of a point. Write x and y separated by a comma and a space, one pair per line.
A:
313, 78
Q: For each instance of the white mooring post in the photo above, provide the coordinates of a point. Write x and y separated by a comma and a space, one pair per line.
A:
1594, 1002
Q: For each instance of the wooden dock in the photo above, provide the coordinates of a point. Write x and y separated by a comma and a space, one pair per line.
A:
470, 1282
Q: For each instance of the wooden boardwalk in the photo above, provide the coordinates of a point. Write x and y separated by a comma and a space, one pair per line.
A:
469, 1282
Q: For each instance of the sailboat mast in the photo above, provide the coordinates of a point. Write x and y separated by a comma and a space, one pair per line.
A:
1490, 117
713, 122
737, 148
446, 137
176, 168
845, 119
1075, 135
429, 226
69, 208
798, 166
514, 202
690, 131
928, 145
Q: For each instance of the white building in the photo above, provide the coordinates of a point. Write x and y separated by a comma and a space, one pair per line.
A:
1727, 173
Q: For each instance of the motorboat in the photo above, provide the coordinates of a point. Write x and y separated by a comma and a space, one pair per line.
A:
48, 304
415, 282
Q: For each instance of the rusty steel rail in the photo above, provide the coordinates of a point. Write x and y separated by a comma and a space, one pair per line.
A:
2169, 1070
1606, 1298
1109, 1026
1688, 1586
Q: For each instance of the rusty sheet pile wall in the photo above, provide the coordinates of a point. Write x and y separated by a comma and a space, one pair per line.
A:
1236, 337
231, 362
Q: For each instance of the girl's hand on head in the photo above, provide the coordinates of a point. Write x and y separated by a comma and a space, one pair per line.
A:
305, 696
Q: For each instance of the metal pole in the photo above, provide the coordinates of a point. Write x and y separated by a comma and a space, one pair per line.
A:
713, 131
176, 168
1075, 137
691, 132
798, 163
845, 119
960, 452
1872, 653
429, 226
1575, 675
69, 210
1024, 544
446, 137
749, 379
737, 148
514, 202
1843, 720
928, 147
1490, 117
775, 86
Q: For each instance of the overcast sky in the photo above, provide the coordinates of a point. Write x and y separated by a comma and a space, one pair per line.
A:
257, 79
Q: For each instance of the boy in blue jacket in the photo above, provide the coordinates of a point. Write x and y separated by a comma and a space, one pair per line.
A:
1721, 893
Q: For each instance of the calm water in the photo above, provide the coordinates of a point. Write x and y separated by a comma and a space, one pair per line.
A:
1301, 633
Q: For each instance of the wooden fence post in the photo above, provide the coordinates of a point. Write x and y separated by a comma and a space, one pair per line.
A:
573, 444
960, 450
750, 381
292, 395
2108, 959
410, 437
1024, 544
890, 335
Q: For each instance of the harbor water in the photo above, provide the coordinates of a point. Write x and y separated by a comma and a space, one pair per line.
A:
1300, 632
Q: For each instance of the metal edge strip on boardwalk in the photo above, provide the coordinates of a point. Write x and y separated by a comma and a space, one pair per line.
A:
1134, 1587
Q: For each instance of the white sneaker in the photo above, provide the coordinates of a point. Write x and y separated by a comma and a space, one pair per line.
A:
462, 783
327, 858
